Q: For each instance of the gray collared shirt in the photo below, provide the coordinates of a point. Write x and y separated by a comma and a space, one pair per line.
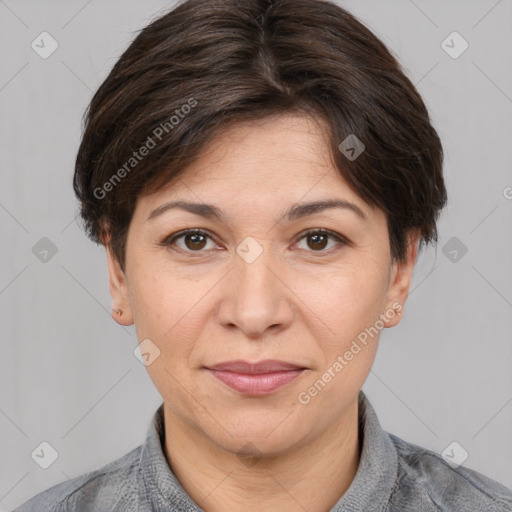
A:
393, 476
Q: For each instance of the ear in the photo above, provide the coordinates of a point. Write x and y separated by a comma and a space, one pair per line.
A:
118, 290
400, 281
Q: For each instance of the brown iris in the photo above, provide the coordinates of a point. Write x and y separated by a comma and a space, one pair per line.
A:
318, 243
198, 240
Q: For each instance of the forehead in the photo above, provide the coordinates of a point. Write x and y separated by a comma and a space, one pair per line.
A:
253, 159
289, 137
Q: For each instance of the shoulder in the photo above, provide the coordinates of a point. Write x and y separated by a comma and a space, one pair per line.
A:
424, 476
111, 485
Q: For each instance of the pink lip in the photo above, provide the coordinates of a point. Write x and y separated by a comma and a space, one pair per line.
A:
256, 379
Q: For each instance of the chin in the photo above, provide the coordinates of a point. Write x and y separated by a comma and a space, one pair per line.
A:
253, 438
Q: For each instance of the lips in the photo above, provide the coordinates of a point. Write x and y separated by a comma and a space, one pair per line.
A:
256, 379
267, 366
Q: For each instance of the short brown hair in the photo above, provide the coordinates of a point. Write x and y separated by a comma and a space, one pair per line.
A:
207, 64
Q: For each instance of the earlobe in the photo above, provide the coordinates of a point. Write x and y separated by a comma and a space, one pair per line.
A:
400, 281
121, 311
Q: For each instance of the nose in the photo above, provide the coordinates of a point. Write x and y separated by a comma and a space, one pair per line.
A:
255, 298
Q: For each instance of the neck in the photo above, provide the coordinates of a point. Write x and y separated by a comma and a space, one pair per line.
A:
311, 476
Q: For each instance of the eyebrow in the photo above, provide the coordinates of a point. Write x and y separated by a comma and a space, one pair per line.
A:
295, 212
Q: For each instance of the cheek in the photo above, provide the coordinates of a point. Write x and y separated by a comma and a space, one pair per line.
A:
158, 295
346, 298
349, 302
170, 310
167, 312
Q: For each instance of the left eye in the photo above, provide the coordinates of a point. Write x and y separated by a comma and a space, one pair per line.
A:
196, 240
319, 238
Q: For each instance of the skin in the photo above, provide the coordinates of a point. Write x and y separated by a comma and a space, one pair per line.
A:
303, 300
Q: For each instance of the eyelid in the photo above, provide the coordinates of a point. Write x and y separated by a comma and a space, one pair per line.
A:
324, 231
170, 240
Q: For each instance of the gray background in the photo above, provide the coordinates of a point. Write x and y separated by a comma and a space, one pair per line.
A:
68, 375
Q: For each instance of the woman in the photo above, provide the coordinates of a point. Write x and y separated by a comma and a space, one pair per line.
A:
262, 175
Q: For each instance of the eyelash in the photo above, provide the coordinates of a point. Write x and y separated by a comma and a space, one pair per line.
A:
170, 240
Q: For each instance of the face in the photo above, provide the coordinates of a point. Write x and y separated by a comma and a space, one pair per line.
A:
262, 280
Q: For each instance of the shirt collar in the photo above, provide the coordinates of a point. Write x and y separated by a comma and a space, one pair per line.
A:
370, 489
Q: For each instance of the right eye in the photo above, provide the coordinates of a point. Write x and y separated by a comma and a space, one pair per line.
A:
194, 240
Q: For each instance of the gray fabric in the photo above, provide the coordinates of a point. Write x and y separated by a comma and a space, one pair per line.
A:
393, 476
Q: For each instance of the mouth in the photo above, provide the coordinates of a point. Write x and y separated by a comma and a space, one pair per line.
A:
256, 379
